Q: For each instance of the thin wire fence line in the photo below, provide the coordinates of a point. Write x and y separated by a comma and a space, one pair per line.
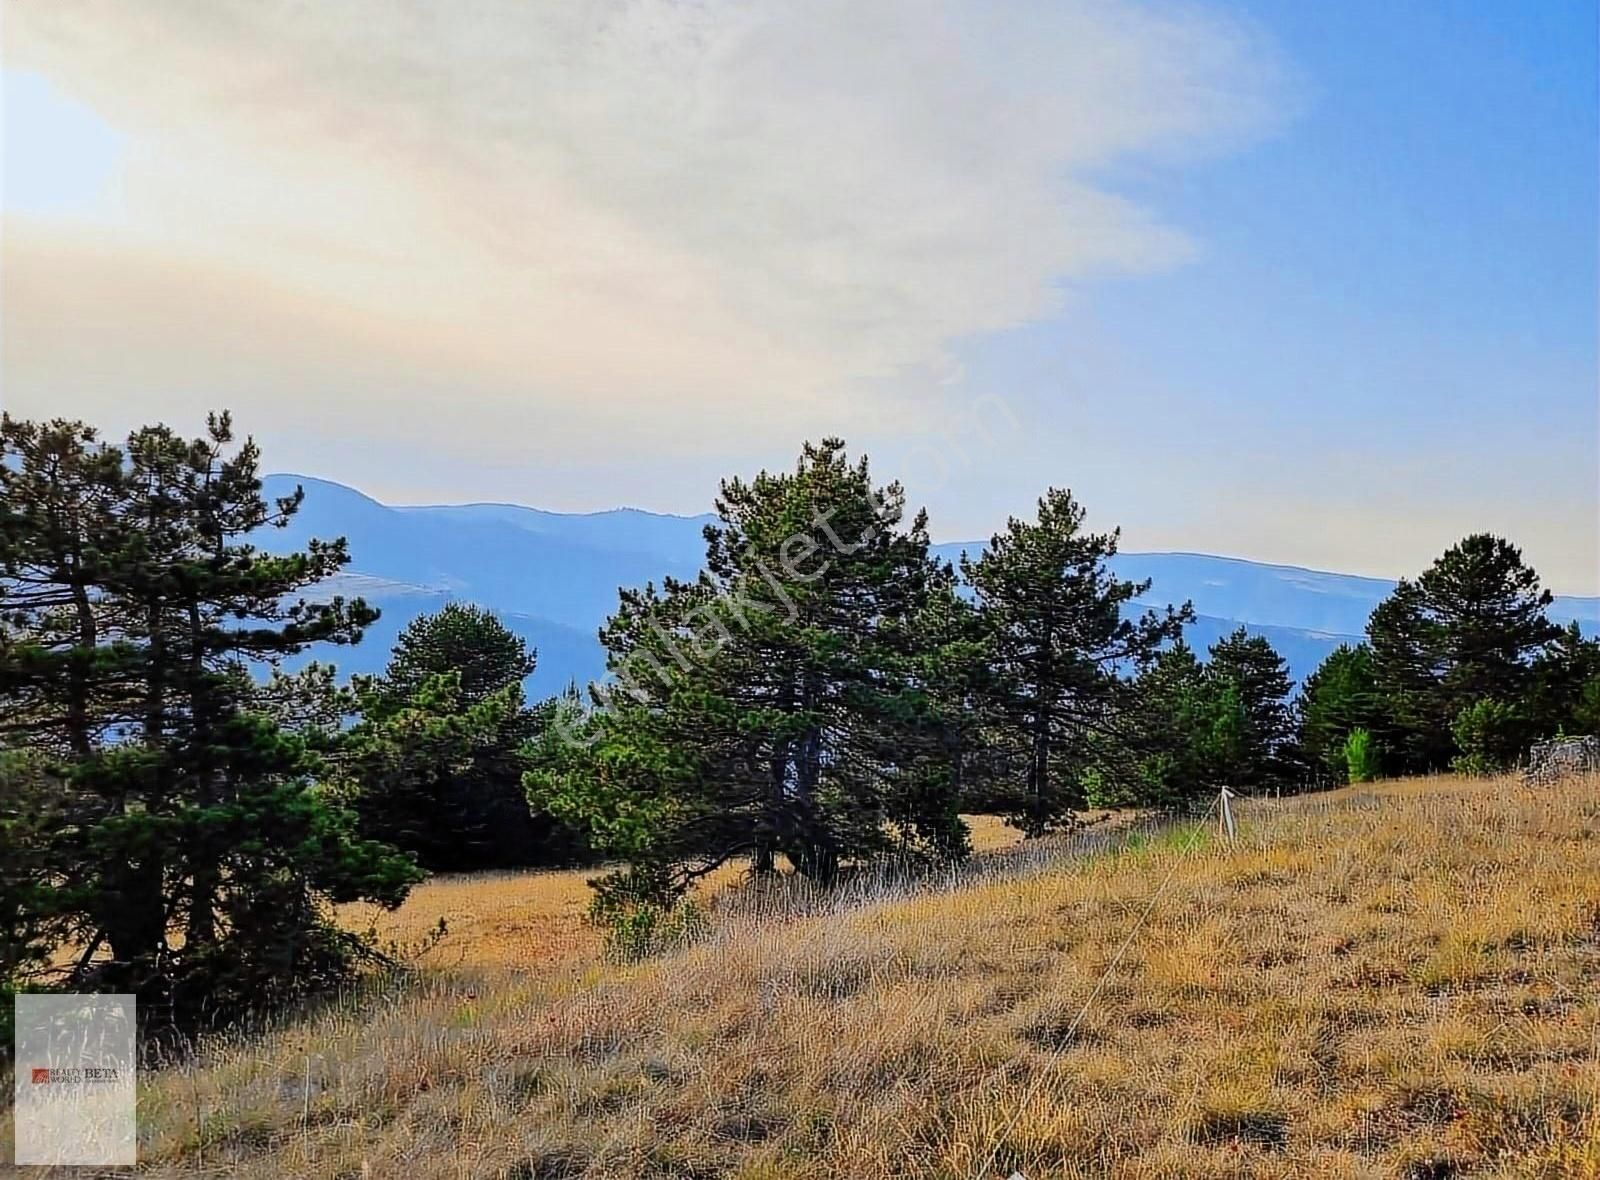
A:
1065, 1042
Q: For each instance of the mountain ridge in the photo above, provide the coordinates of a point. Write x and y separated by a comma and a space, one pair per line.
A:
553, 577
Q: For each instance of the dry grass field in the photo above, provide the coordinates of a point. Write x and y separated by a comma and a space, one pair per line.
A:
533, 919
1401, 980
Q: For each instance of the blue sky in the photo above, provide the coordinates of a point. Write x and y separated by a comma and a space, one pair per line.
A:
1394, 302
1301, 282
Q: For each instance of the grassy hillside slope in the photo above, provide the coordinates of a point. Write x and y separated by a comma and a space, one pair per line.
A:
1402, 980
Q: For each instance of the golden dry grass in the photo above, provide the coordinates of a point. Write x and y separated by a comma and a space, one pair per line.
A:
495, 921
523, 920
1400, 980
991, 834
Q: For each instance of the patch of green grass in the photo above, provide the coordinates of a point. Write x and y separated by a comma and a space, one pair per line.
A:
1185, 836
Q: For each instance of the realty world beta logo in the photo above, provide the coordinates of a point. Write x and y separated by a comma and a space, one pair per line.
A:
44, 1075
75, 1080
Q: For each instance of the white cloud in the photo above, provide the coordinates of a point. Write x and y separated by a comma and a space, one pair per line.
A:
614, 219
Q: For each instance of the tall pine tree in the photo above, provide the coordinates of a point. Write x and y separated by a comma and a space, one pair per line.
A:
203, 852
1064, 643
1173, 716
1468, 630
1265, 759
774, 707
437, 758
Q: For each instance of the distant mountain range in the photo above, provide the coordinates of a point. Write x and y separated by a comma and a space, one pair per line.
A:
553, 577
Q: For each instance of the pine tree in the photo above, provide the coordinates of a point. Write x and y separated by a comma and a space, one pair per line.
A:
1260, 678
772, 707
64, 676
1566, 686
949, 670
1173, 715
1064, 649
203, 602
1489, 734
1469, 629
465, 639
1338, 698
439, 776
1414, 729
201, 818
1360, 758
1488, 611
437, 759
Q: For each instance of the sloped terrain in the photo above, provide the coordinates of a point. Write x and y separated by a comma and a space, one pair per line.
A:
1390, 981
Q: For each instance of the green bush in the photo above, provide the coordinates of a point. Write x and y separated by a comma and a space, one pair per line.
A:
643, 929
1360, 756
1490, 736
642, 915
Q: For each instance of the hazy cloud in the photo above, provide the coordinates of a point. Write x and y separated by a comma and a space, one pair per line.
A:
610, 219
